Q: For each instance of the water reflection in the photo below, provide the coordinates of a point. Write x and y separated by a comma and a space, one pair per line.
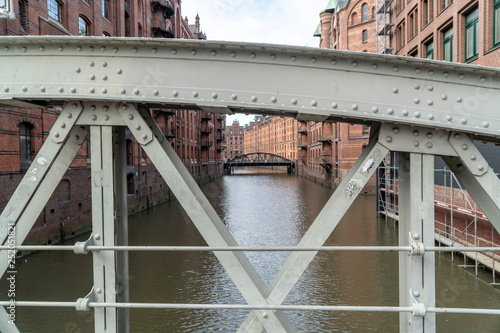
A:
259, 210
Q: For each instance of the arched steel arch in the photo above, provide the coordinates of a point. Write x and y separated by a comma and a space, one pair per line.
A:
259, 157
419, 108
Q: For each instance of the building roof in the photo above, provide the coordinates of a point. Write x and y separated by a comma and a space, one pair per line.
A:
332, 6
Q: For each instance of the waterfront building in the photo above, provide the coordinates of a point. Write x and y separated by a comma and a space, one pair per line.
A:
197, 136
234, 141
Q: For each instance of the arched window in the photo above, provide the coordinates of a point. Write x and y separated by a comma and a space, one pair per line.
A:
365, 12
365, 36
83, 27
130, 152
25, 145
354, 18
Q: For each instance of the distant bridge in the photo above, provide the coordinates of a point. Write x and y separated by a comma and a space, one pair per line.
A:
259, 159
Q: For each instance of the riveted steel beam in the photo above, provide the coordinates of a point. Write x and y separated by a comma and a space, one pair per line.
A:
305, 83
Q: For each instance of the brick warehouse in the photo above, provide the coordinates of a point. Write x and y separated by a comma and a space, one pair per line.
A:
234, 141
195, 135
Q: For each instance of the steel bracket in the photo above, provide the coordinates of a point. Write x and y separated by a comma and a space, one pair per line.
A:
82, 247
417, 248
469, 154
65, 121
82, 304
418, 309
139, 127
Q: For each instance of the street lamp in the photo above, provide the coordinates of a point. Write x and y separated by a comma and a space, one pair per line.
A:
7, 9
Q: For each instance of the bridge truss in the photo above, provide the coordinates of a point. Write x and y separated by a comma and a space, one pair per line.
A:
259, 159
418, 108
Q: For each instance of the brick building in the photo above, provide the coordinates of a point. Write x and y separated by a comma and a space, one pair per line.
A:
273, 135
234, 141
195, 135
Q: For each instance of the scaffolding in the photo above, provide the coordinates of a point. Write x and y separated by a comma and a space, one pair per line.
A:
383, 26
459, 222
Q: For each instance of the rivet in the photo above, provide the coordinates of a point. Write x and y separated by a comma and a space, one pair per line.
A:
396, 68
465, 147
416, 100
354, 106
234, 97
42, 48
461, 76
135, 50
70, 115
233, 54
480, 167
395, 90
431, 73
175, 94
459, 99
92, 90
430, 88
354, 64
334, 105
144, 136
254, 98
193, 52
264, 314
6, 48
374, 109
195, 94
91, 48
214, 96
78, 69
458, 136
416, 133
430, 102
105, 108
482, 79
94, 117
92, 107
25, 89
430, 116
388, 139
314, 103
333, 62
486, 124
91, 64
417, 86
429, 145
156, 92
119, 71
115, 49
73, 90
131, 117
77, 137
463, 121
213, 53
416, 293
138, 127
56, 134
416, 115
429, 135
473, 157
92, 77
314, 60
106, 117
404, 113
395, 130
42, 89
446, 74
98, 290
416, 143
375, 66
154, 50
252, 55
123, 91
125, 107
61, 89
273, 56
104, 90
136, 91
274, 99
104, 77
417, 70
293, 58
6, 89
24, 49
444, 97
103, 48
390, 111
174, 51
60, 49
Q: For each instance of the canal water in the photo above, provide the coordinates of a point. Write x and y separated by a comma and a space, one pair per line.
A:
260, 209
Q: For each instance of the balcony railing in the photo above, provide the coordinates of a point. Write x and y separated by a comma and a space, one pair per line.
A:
163, 28
165, 5
206, 129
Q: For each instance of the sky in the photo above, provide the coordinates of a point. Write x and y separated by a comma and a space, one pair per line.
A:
290, 22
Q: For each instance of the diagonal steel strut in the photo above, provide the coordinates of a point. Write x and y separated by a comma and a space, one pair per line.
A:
202, 214
321, 229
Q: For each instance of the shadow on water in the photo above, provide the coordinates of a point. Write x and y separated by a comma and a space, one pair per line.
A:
260, 210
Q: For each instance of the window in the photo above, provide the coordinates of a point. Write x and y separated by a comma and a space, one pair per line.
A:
23, 16
25, 145
365, 12
448, 45
54, 10
354, 18
105, 9
365, 36
429, 50
471, 35
83, 27
428, 11
496, 23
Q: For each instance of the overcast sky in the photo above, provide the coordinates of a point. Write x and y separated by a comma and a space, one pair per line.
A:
291, 22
